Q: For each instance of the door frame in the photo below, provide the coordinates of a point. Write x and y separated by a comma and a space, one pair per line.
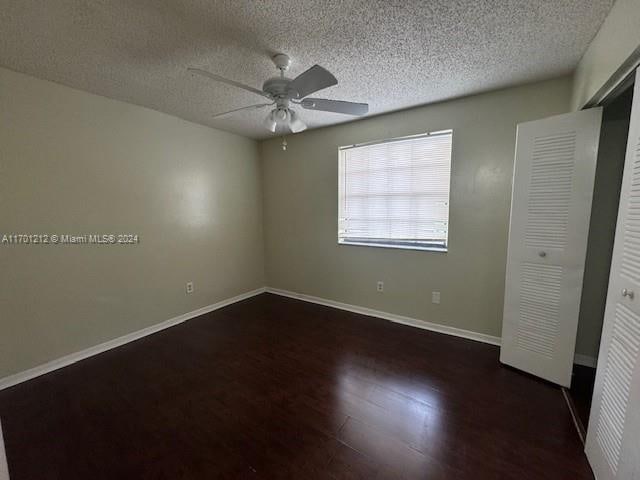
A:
616, 88
617, 83
4, 468
624, 82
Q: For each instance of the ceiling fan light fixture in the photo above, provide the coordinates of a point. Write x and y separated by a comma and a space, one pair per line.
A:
295, 124
270, 122
282, 115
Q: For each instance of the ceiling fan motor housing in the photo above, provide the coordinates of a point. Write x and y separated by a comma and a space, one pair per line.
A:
277, 87
280, 87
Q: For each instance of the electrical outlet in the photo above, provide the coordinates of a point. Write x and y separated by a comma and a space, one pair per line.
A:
189, 288
380, 286
435, 297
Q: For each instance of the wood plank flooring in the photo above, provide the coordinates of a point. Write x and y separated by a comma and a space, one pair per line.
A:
581, 391
274, 388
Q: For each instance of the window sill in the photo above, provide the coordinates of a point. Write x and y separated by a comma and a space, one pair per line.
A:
427, 248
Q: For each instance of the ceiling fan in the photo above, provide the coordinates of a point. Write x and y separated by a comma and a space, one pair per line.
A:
284, 92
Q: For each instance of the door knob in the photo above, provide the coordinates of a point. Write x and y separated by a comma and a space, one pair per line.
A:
542, 254
628, 293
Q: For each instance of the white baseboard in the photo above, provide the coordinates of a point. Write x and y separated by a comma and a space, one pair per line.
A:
413, 322
116, 342
103, 347
585, 360
4, 469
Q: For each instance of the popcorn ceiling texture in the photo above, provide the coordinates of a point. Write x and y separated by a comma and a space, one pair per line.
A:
391, 54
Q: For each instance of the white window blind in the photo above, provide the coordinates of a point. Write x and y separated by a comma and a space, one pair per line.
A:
395, 193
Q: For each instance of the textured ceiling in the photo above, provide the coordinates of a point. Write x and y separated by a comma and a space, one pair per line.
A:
391, 54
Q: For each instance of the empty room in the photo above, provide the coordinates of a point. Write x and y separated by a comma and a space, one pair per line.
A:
356, 239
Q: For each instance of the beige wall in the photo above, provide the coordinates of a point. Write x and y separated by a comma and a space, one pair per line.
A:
300, 208
71, 162
617, 39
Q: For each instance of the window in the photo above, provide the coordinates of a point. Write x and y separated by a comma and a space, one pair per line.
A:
395, 193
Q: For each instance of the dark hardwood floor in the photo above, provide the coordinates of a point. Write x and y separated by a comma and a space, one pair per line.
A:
273, 388
581, 391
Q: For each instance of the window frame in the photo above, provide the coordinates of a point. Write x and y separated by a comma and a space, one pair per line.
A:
390, 243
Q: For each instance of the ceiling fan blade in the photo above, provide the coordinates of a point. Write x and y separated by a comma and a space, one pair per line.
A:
250, 107
336, 106
233, 83
313, 80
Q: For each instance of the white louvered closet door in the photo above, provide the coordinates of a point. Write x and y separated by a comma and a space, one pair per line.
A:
550, 209
613, 438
